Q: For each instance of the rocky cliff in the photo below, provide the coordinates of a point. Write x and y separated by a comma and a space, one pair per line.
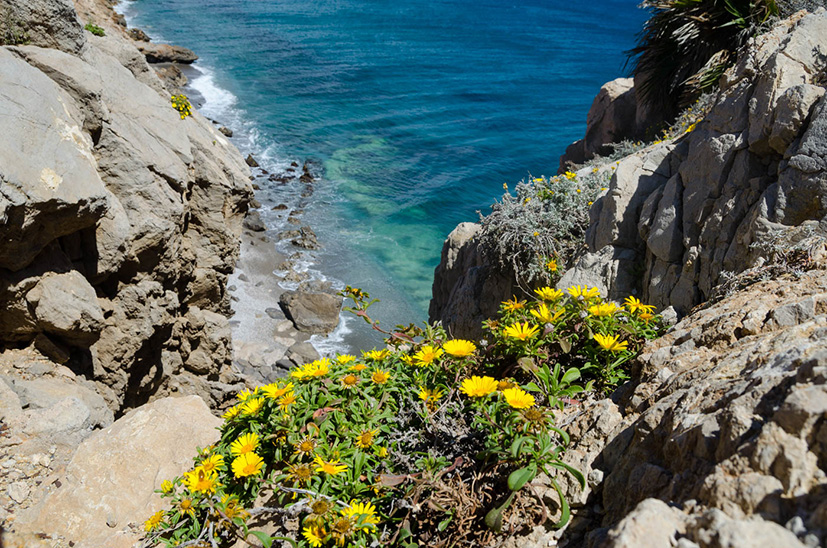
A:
718, 440
120, 222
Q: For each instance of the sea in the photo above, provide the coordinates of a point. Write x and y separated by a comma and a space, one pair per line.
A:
416, 112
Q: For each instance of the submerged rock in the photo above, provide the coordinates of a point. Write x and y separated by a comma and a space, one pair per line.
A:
311, 312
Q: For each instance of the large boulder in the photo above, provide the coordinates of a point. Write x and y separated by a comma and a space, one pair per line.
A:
311, 311
107, 490
66, 305
166, 53
46, 23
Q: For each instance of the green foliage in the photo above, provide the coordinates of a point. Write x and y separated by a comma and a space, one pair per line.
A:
182, 104
12, 32
686, 44
94, 29
536, 231
412, 444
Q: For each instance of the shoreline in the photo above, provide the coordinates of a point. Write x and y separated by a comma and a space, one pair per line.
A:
265, 342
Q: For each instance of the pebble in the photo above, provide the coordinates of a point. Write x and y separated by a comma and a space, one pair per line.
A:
243, 277
18, 491
274, 313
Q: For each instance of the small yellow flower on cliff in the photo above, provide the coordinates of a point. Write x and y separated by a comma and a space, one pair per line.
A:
634, 305
345, 359
331, 467
201, 481
212, 463
287, 399
478, 387
300, 473
459, 348
245, 444
585, 292
513, 304
186, 507
357, 367
518, 398
427, 355
376, 355
365, 511
381, 451
552, 265
306, 446
520, 331
646, 316
273, 391
536, 233
366, 438
247, 464
232, 412
570, 175
314, 534
167, 486
349, 381
603, 309
407, 359
538, 179
504, 384
610, 342
154, 521
244, 395
545, 315
429, 396
252, 406
548, 293
380, 377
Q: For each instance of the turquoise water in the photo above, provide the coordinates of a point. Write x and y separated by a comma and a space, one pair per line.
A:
419, 110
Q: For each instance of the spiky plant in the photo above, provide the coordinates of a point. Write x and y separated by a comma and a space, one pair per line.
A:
686, 45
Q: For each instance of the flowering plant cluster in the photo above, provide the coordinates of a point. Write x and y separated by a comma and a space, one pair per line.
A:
329, 453
182, 105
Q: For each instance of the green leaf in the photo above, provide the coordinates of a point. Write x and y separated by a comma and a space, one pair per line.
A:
263, 537
570, 376
518, 478
516, 445
578, 475
565, 511
444, 523
532, 387
494, 518
565, 345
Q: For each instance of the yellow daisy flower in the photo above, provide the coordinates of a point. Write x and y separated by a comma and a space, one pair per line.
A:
357, 367
349, 381
287, 399
247, 464
380, 377
345, 359
548, 293
212, 463
376, 355
366, 438
154, 521
186, 507
167, 486
634, 305
232, 412
427, 355
513, 304
306, 446
610, 342
585, 292
518, 398
314, 534
459, 348
274, 392
521, 331
364, 511
331, 468
201, 481
478, 387
603, 309
545, 315
247, 443
252, 406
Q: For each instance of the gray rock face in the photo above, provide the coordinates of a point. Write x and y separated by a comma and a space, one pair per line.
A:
723, 421
48, 23
311, 312
166, 53
66, 305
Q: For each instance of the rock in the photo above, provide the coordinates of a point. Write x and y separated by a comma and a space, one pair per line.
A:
306, 239
253, 221
51, 187
138, 35
18, 491
227, 132
274, 313
108, 486
251, 161
65, 305
311, 312
301, 353
48, 24
166, 53
652, 524
207, 345
172, 77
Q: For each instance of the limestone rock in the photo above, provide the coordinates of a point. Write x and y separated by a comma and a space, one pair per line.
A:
66, 305
311, 312
107, 491
48, 23
166, 53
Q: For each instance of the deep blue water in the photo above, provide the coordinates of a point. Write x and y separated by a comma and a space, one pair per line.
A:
419, 110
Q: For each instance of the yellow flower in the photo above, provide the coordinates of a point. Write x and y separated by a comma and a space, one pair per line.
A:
579, 191
518, 398
273, 391
381, 451
300, 473
186, 507
427, 355
513, 304
459, 348
364, 511
406, 359
646, 316
317, 368
585, 292
345, 359
538, 180
603, 309
429, 396
548, 294
341, 529
357, 367
314, 534
232, 509
247, 464
610, 343
552, 265
211, 463
504, 384
252, 406
545, 315
478, 387
536, 233
332, 468
245, 444
380, 377
349, 381
520, 331
570, 175
287, 399
244, 394
691, 127
635, 305
232, 412
376, 355
201, 481
154, 521
365, 439
306, 445
167, 486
